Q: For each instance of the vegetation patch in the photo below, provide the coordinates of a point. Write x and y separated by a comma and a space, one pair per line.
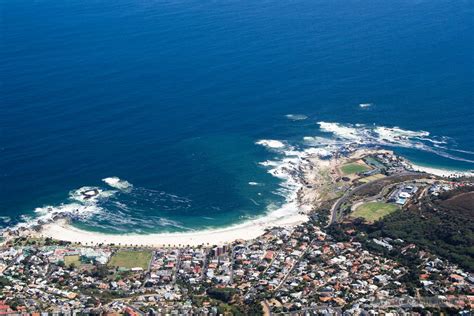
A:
376, 187
462, 202
353, 168
443, 225
372, 178
221, 294
74, 261
373, 211
130, 259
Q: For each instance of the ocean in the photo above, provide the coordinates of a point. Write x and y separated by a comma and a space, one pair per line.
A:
174, 99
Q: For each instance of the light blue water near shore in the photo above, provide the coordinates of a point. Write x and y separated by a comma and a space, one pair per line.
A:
171, 96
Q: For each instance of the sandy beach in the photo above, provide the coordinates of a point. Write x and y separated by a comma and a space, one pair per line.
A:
61, 230
442, 172
301, 173
306, 174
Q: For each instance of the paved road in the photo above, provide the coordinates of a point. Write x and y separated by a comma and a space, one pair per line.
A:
295, 264
176, 268
335, 207
232, 263
266, 308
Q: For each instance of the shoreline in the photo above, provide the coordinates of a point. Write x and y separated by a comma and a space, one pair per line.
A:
302, 175
441, 172
61, 230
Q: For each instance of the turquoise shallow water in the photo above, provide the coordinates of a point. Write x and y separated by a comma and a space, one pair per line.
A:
171, 96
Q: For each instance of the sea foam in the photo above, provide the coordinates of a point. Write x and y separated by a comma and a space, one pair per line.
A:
271, 143
89, 195
296, 117
288, 167
89, 203
117, 183
362, 134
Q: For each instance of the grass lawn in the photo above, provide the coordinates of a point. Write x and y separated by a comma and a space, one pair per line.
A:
354, 167
69, 260
130, 259
372, 178
373, 211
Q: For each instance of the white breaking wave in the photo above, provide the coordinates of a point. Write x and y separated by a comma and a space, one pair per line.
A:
248, 217
271, 143
254, 202
102, 208
116, 182
347, 132
293, 161
171, 223
374, 134
296, 117
72, 209
388, 136
457, 150
84, 203
48, 214
288, 169
87, 201
365, 105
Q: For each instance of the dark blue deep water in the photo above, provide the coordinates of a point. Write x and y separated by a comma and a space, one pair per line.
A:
172, 96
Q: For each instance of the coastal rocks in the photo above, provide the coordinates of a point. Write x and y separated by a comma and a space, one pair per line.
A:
90, 193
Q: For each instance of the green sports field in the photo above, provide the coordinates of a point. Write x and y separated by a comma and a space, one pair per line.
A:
130, 259
373, 211
353, 167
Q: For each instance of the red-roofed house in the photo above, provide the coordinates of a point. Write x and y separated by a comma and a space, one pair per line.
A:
5, 309
269, 255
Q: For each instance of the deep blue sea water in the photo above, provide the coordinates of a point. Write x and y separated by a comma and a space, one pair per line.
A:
171, 96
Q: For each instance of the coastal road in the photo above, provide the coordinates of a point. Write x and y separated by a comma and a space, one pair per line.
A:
335, 207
